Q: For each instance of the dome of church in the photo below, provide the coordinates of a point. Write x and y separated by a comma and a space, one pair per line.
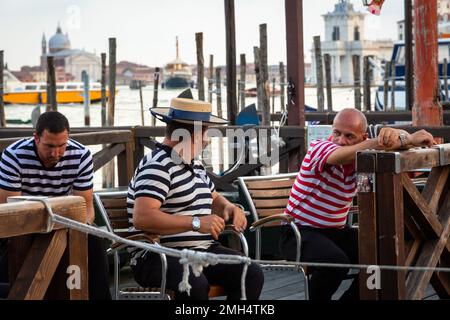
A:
58, 41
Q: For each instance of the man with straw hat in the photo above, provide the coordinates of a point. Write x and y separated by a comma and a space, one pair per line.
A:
172, 196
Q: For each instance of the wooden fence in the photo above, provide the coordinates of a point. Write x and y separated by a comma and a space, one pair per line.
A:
38, 263
400, 225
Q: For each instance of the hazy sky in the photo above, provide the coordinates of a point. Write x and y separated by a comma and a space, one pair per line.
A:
145, 29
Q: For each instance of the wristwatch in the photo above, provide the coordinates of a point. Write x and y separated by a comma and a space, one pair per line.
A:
195, 223
402, 137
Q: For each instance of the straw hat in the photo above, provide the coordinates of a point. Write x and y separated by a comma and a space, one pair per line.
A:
187, 111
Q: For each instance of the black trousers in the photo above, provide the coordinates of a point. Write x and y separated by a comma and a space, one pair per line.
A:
324, 245
97, 268
147, 273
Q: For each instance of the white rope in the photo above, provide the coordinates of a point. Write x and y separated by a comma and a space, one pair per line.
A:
196, 259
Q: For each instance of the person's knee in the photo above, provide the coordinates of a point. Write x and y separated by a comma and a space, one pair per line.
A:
254, 282
199, 289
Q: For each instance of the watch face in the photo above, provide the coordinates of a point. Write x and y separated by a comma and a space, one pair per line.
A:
195, 223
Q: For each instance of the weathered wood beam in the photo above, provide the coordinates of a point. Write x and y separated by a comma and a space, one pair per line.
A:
429, 257
367, 224
27, 217
105, 155
39, 266
435, 185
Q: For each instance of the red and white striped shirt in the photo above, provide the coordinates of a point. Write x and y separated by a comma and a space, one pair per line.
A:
322, 194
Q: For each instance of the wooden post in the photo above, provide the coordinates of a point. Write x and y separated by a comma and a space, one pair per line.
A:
142, 102
210, 78
51, 85
258, 79
109, 169
327, 61
200, 66
155, 92
426, 111
103, 84
409, 68
219, 113
273, 95
264, 74
231, 60
357, 80
445, 73
86, 98
112, 81
387, 67
319, 74
282, 86
243, 71
393, 75
2, 106
367, 222
366, 84
295, 73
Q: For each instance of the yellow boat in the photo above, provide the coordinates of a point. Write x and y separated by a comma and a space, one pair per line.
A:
17, 92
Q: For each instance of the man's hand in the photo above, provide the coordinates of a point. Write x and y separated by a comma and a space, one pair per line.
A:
389, 138
421, 138
238, 216
212, 224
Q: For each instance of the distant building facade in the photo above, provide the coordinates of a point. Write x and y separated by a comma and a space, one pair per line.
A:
68, 60
344, 37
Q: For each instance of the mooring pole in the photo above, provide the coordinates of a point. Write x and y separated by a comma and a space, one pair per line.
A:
427, 110
295, 73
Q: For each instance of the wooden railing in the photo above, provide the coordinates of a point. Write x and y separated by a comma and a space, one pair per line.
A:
402, 226
38, 263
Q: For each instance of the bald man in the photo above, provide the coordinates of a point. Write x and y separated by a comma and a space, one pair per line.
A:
323, 193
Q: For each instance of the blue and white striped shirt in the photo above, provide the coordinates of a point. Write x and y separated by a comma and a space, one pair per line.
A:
22, 170
182, 189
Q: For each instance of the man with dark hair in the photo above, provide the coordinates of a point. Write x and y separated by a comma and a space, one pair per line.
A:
51, 164
171, 195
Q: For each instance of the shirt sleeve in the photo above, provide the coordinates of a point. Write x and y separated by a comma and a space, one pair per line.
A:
319, 153
84, 180
153, 181
10, 173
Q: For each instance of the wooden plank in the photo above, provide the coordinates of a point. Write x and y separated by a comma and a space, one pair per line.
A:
27, 217
107, 137
112, 81
270, 212
126, 164
106, 155
120, 223
441, 280
39, 266
114, 202
424, 216
78, 256
18, 248
419, 158
429, 256
411, 254
271, 203
435, 185
117, 213
270, 193
270, 184
367, 224
390, 234
357, 80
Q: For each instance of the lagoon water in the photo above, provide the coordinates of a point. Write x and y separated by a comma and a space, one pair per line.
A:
128, 113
